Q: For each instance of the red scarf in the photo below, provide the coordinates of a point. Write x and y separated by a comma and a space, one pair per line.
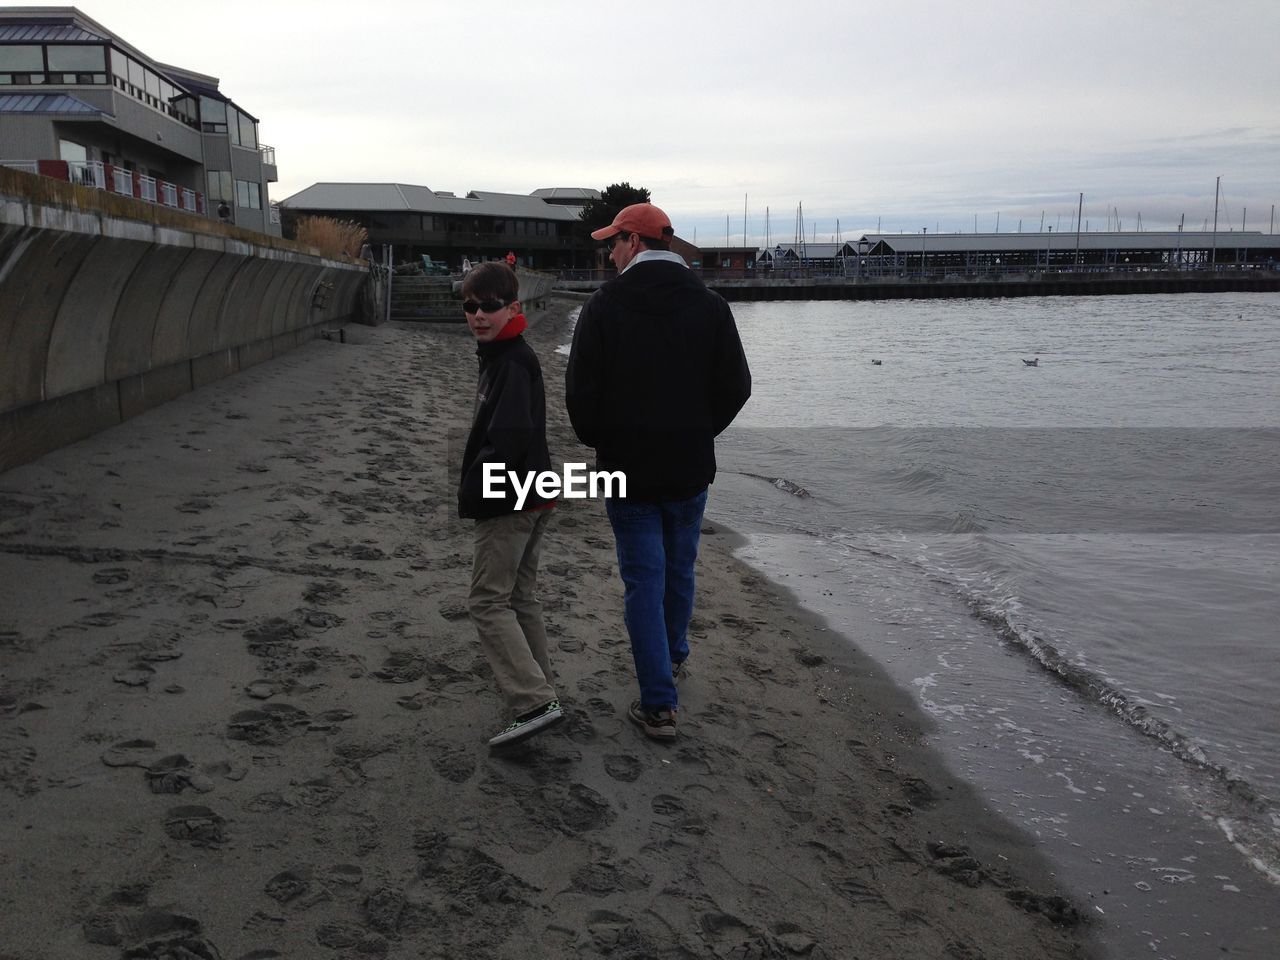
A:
515, 326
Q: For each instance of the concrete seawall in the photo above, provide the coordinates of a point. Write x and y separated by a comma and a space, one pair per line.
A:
110, 306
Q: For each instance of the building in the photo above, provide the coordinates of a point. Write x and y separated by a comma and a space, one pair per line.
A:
79, 102
789, 258
732, 258
988, 254
973, 254
541, 229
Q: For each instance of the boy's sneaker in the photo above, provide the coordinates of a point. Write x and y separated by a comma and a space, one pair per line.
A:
678, 671
656, 724
529, 723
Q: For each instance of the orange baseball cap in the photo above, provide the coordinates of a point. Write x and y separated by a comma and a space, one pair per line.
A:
642, 218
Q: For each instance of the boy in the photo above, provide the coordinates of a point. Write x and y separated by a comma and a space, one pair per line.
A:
509, 430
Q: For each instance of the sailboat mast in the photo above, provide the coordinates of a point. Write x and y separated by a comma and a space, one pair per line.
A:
1216, 185
1079, 214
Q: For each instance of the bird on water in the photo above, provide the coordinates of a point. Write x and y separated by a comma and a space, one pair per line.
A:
1032, 363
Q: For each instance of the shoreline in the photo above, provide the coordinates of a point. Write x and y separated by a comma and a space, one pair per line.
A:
242, 709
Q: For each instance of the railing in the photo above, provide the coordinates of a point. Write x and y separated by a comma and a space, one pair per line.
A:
268, 154
27, 166
122, 181
87, 173
826, 272
106, 176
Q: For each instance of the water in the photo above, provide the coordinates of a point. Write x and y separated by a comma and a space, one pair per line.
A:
1074, 565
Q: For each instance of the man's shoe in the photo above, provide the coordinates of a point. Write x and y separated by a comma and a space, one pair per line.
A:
656, 724
529, 723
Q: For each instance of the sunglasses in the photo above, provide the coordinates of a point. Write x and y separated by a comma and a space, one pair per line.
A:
488, 306
609, 244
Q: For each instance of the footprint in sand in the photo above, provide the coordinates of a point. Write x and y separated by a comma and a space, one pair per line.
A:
604, 879
274, 724
198, 826
624, 768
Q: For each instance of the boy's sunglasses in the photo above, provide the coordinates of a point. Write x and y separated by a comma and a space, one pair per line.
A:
488, 306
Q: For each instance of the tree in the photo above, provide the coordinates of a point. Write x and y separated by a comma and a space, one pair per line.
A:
600, 213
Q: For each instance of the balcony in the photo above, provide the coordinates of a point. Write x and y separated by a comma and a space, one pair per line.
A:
87, 173
268, 163
105, 176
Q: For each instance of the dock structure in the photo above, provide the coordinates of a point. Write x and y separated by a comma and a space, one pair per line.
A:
905, 266
966, 255
1082, 284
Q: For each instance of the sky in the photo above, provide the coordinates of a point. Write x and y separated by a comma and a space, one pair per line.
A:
754, 119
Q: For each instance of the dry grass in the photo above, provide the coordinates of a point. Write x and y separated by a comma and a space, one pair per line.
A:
332, 237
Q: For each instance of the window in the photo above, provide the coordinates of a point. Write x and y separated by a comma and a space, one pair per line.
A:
70, 150
213, 115
80, 59
220, 185
248, 194
15, 58
233, 123
248, 132
186, 109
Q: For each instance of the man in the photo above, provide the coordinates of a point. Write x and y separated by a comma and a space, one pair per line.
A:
655, 373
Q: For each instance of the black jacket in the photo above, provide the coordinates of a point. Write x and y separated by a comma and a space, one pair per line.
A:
656, 372
509, 427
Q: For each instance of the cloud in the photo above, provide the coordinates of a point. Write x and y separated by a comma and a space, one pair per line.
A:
922, 115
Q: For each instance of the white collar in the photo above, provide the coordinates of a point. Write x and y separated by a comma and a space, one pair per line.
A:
655, 255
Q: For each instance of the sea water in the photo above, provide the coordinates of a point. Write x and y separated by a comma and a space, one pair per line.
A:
1075, 566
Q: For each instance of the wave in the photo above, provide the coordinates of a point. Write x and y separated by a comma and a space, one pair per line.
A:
1252, 816
989, 584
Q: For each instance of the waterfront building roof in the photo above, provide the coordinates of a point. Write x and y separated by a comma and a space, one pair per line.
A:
48, 32
390, 197
1066, 239
59, 103
568, 195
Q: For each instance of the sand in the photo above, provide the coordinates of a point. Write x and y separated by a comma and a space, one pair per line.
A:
243, 714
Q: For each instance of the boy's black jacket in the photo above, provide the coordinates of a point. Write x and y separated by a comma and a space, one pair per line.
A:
509, 428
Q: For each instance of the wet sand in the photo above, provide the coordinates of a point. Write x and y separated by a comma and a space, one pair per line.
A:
243, 714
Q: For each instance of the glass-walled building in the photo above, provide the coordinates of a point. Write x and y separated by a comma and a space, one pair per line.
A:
543, 230
76, 99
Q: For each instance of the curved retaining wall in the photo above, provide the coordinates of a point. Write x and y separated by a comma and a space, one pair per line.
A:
110, 306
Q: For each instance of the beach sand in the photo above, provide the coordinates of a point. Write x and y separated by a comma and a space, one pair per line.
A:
243, 714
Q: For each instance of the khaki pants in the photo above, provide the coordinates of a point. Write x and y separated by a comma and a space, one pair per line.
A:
505, 609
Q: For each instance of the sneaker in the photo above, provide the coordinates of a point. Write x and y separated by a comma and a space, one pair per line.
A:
656, 724
678, 671
529, 723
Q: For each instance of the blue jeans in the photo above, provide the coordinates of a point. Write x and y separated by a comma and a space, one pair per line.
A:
657, 546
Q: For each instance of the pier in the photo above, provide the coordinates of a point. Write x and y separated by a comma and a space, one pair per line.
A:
1043, 285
